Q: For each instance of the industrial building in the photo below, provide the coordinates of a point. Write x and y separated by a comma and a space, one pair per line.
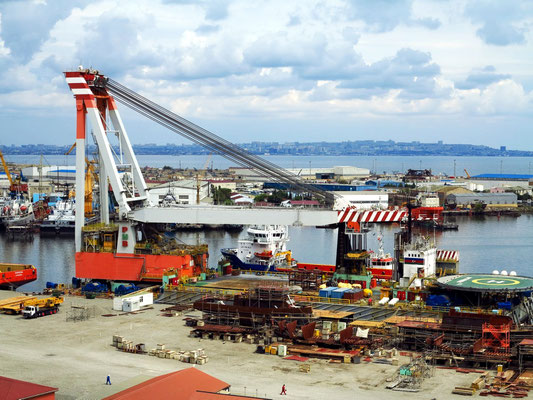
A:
347, 173
491, 200
504, 180
329, 187
57, 173
189, 383
223, 184
366, 200
14, 389
503, 177
444, 191
384, 183
179, 192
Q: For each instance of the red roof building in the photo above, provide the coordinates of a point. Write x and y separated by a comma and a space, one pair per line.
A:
13, 389
189, 383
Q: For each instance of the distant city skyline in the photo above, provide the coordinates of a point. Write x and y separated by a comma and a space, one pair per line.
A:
460, 71
361, 147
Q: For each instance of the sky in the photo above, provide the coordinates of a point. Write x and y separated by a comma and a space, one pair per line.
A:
459, 71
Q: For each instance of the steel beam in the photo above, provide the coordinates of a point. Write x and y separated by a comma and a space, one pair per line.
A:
220, 215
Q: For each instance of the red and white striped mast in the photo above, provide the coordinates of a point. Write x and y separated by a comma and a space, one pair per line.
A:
93, 101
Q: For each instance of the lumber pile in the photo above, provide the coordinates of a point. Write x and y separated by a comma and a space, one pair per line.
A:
193, 357
504, 384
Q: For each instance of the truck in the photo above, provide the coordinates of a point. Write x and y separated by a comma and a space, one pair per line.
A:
36, 311
42, 307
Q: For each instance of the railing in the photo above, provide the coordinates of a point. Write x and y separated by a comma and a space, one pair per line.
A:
204, 290
318, 299
268, 273
462, 309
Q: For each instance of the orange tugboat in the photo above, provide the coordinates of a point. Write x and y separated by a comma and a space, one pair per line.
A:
15, 275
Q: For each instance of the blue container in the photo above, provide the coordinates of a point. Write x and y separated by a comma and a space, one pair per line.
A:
326, 292
338, 293
126, 288
51, 285
438, 300
95, 287
76, 282
504, 305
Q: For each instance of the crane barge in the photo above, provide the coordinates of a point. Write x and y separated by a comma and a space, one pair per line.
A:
128, 247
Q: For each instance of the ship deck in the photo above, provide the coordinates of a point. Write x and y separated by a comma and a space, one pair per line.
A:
486, 283
244, 282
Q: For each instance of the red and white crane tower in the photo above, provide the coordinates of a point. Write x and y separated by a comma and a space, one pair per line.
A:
95, 103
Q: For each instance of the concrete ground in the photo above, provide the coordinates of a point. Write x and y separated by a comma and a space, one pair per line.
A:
76, 357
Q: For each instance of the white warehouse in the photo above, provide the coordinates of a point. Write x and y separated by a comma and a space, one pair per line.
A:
180, 192
366, 200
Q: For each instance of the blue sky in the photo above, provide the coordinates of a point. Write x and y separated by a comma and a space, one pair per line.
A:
459, 71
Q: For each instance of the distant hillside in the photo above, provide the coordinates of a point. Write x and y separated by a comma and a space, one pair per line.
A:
348, 148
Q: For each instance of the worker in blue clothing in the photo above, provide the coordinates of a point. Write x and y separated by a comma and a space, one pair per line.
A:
108, 381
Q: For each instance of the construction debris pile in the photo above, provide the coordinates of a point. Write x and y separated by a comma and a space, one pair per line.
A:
409, 377
507, 383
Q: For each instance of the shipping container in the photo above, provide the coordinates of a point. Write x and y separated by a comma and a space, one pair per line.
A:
326, 292
338, 293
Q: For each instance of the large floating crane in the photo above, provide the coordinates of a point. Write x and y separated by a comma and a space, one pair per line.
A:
95, 101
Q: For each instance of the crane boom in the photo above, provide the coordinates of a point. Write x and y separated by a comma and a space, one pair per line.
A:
213, 142
6, 169
71, 148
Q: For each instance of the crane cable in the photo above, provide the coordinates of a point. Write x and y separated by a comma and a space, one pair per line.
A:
213, 142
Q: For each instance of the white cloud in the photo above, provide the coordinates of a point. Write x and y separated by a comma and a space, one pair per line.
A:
303, 60
502, 22
4, 51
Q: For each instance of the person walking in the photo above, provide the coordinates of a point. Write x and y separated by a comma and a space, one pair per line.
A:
108, 381
283, 390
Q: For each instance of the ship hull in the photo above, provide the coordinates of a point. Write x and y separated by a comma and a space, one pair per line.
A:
51, 229
15, 275
137, 267
381, 273
236, 263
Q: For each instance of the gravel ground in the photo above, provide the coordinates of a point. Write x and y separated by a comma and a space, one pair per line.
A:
76, 357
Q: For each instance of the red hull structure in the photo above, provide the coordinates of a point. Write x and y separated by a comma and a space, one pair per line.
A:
138, 267
15, 275
329, 269
427, 213
381, 273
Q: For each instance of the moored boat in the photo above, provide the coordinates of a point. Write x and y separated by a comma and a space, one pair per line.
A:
62, 218
16, 212
15, 275
264, 249
381, 264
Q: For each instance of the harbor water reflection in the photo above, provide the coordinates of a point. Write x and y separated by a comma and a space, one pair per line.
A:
484, 243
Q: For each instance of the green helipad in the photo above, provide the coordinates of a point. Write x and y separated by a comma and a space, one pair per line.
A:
486, 283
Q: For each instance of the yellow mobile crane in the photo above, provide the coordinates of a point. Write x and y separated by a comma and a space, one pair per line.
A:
90, 175
6, 169
15, 185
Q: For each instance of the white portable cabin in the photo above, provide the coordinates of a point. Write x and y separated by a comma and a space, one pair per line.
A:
136, 300
130, 305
